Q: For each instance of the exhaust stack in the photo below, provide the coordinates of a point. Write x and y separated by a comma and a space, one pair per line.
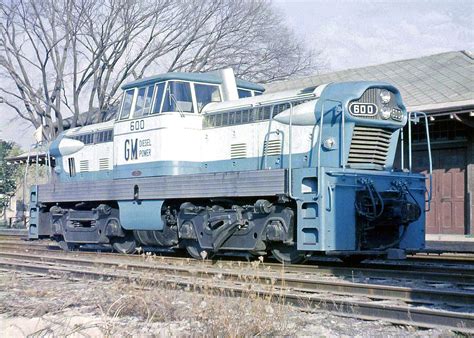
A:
229, 85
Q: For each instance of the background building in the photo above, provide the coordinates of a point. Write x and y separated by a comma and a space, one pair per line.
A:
441, 85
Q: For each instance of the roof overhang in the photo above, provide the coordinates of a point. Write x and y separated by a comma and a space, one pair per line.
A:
458, 107
31, 158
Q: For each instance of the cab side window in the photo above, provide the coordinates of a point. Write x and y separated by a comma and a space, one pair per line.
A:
244, 93
178, 97
127, 104
206, 94
143, 101
160, 88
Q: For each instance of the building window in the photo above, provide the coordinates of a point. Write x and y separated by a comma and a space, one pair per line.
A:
442, 129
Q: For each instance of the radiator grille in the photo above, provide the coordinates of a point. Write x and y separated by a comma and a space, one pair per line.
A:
369, 145
238, 150
272, 147
84, 166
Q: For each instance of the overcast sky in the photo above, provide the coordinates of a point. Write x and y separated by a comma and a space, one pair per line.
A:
358, 33
354, 33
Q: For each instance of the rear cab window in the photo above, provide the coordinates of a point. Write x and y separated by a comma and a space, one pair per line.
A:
205, 94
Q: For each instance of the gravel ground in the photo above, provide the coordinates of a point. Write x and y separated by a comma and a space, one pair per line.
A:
45, 306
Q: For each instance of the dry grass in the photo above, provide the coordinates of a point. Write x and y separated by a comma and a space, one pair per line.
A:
156, 307
207, 310
45, 306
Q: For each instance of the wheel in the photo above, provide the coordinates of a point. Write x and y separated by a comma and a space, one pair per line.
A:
287, 254
125, 245
195, 251
67, 246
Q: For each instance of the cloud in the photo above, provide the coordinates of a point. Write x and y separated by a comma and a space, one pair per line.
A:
360, 33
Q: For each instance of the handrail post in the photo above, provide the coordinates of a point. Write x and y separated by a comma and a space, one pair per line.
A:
428, 144
290, 158
267, 138
343, 145
402, 151
409, 143
320, 143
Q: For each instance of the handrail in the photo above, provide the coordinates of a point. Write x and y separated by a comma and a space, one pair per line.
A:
428, 144
320, 143
290, 158
267, 138
402, 150
409, 142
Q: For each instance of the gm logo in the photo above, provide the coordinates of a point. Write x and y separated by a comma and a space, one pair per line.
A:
363, 109
131, 149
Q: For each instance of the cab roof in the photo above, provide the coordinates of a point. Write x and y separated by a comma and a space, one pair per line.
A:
211, 77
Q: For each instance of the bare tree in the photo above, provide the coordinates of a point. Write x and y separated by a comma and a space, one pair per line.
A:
63, 57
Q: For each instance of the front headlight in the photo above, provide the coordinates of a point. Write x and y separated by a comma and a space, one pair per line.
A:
385, 112
385, 96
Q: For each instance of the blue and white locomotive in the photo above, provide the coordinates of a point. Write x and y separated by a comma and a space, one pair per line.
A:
211, 164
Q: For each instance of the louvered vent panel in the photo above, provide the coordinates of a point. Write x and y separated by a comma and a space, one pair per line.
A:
369, 145
84, 166
272, 147
238, 150
103, 164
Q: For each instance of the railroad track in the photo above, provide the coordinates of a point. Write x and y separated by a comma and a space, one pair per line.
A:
371, 269
401, 305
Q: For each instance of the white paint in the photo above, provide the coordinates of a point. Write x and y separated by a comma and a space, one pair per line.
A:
302, 115
69, 146
229, 85
175, 137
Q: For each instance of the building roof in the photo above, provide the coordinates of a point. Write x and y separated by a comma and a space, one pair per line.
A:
432, 83
211, 77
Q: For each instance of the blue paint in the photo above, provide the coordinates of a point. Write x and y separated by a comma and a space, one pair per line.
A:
328, 222
34, 216
213, 78
332, 95
141, 215
54, 146
326, 219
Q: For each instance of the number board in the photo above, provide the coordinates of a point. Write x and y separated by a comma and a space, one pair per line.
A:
363, 109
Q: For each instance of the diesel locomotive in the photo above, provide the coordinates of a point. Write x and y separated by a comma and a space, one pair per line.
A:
211, 164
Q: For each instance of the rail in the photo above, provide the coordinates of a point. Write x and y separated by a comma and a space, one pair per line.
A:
397, 304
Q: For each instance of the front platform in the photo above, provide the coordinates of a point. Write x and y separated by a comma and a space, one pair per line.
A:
449, 243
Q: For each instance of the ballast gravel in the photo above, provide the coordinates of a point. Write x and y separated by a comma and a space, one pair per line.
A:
33, 305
